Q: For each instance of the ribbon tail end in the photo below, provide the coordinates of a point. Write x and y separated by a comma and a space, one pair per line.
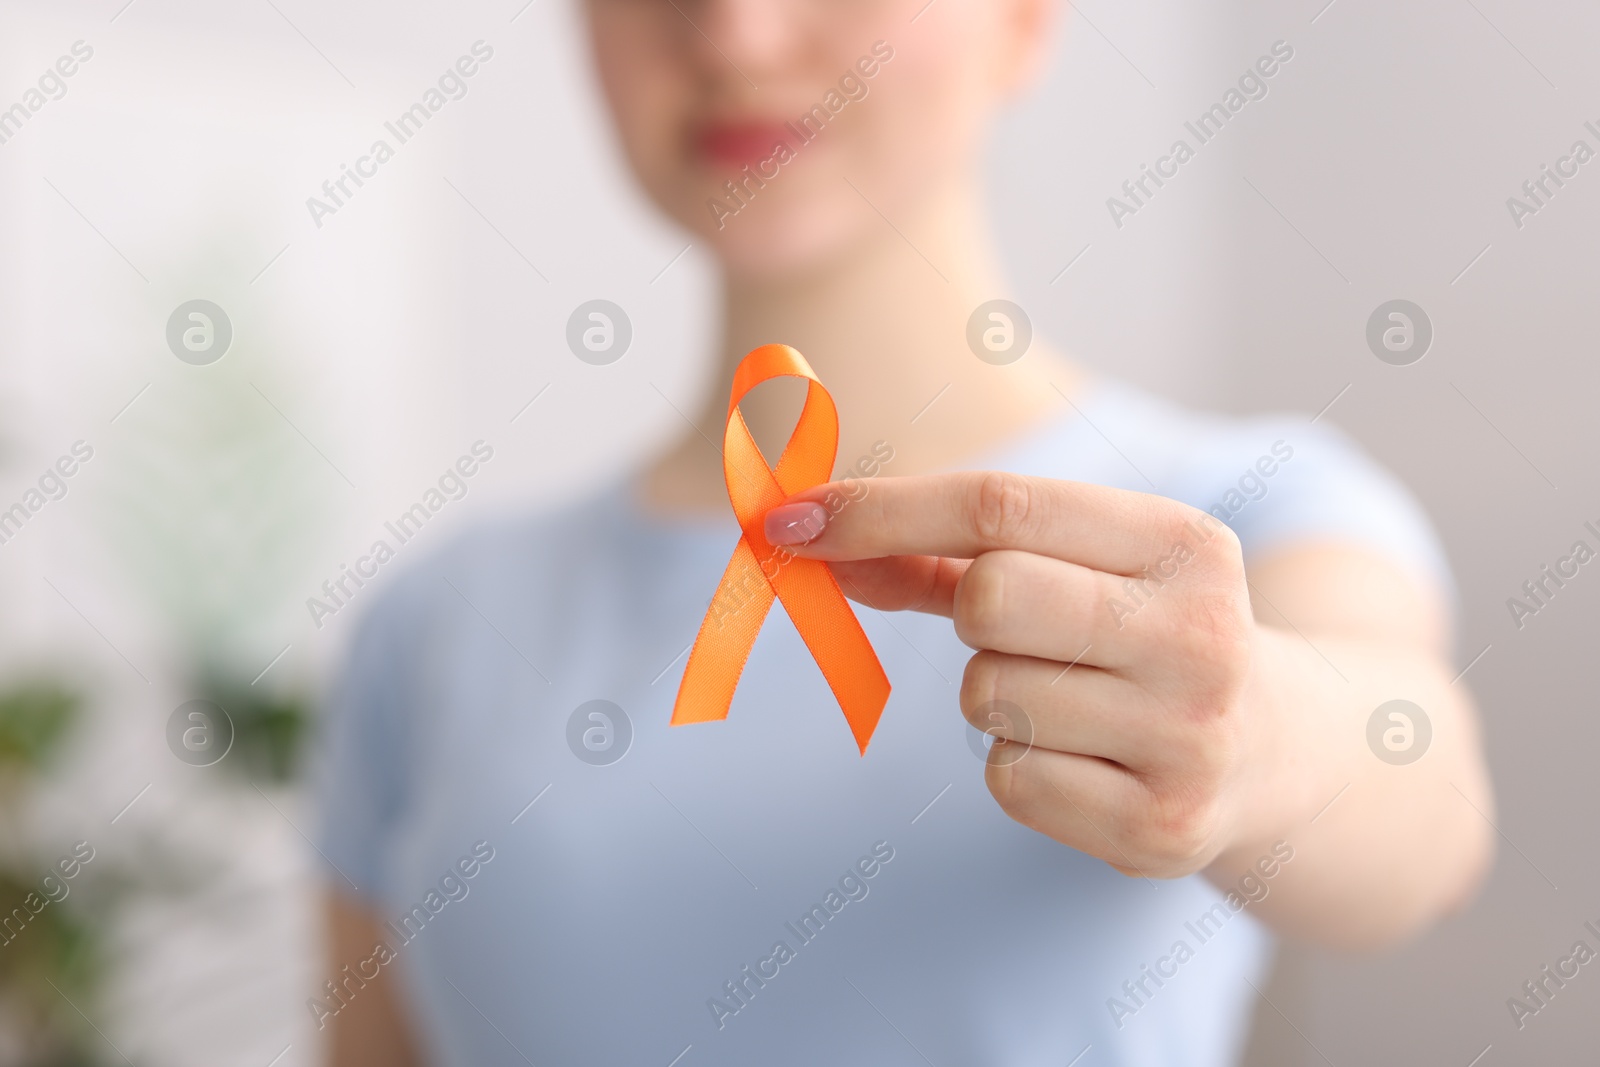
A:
692, 708
864, 719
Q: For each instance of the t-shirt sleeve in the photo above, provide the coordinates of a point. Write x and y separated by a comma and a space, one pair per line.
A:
361, 766
1279, 482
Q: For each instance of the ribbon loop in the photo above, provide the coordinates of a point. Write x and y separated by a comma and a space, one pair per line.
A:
758, 573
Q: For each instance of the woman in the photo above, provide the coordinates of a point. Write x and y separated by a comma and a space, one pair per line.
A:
1196, 740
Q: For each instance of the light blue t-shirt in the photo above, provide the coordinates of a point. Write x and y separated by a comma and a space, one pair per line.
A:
754, 892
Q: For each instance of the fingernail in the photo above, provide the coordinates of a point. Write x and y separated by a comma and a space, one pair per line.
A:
795, 524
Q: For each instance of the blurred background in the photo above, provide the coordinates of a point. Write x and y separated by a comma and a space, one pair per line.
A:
211, 496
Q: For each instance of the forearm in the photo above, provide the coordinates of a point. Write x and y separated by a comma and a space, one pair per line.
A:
370, 1029
1380, 849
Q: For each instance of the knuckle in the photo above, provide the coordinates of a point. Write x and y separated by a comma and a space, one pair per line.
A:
1199, 536
1175, 523
1126, 871
1180, 832
1004, 507
980, 602
1208, 754
1215, 628
1222, 555
1216, 545
1225, 544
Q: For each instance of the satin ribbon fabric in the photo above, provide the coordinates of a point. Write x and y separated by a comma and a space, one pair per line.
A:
757, 572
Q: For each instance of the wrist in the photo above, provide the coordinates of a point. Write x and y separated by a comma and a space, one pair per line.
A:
1288, 763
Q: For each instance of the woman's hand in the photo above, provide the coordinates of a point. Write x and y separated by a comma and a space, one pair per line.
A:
1115, 643
1144, 714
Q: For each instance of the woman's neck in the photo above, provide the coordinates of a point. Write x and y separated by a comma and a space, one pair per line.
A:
885, 328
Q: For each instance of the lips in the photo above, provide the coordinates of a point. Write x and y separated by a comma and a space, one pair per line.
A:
732, 145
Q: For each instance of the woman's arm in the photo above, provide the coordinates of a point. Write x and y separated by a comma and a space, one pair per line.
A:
1393, 846
1147, 716
370, 1029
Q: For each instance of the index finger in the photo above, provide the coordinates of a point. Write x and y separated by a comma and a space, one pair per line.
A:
965, 514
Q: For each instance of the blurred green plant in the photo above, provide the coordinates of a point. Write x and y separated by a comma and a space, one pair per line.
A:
269, 728
52, 955
213, 507
35, 716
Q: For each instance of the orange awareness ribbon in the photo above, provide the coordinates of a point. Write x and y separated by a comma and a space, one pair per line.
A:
757, 572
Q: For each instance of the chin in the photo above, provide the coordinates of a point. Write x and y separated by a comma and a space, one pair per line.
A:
781, 250
780, 236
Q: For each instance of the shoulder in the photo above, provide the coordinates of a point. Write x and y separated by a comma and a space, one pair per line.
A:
1175, 448
1278, 478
